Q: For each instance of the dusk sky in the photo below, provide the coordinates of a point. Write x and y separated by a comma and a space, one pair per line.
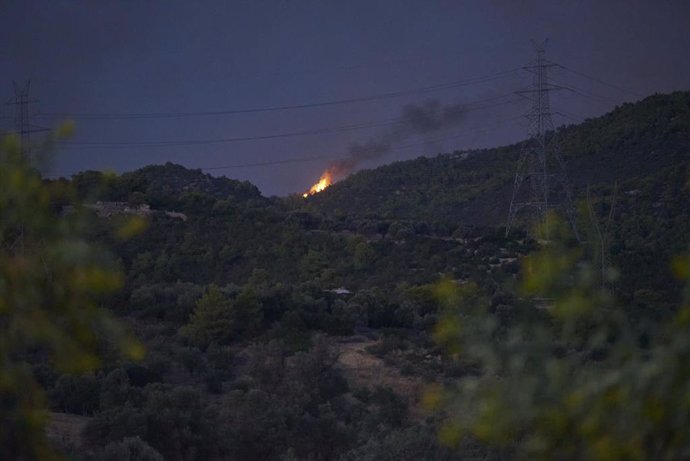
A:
133, 72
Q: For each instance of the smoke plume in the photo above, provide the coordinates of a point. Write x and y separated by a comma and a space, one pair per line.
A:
415, 119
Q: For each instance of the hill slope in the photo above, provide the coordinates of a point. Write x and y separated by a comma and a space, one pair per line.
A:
274, 333
168, 186
634, 140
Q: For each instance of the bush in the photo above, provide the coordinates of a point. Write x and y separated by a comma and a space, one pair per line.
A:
130, 449
76, 394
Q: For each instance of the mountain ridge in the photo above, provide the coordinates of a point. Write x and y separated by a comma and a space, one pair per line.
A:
633, 140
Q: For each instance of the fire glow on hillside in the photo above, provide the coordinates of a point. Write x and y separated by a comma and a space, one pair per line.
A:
325, 181
416, 119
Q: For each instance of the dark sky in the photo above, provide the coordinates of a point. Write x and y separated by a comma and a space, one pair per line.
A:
171, 57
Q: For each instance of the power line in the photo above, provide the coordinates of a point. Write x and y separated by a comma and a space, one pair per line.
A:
592, 96
570, 116
336, 129
318, 131
452, 136
198, 142
419, 90
598, 80
375, 97
270, 162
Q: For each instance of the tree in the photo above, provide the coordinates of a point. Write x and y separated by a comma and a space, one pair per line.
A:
50, 282
211, 320
76, 394
180, 425
364, 256
216, 319
130, 449
247, 314
571, 378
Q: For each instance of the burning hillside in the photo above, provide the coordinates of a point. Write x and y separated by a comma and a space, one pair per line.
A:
416, 119
325, 181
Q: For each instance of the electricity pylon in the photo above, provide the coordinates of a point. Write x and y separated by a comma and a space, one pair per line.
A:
540, 163
22, 117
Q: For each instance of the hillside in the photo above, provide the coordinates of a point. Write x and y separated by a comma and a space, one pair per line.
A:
310, 325
634, 140
168, 186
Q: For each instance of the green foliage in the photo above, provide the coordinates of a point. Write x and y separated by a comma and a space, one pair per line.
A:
237, 303
571, 378
130, 449
217, 319
211, 320
364, 256
469, 188
51, 281
76, 394
294, 402
415, 443
115, 389
176, 422
167, 186
247, 314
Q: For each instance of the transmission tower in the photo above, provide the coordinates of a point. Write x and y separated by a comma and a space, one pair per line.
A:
22, 116
540, 163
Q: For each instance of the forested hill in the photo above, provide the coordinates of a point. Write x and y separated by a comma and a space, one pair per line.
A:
169, 186
274, 333
634, 140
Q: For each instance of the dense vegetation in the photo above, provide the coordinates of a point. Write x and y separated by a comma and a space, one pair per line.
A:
473, 188
291, 329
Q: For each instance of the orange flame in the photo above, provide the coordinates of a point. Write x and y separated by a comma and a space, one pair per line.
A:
325, 181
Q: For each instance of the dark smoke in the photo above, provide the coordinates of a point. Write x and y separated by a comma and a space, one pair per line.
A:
358, 153
415, 119
430, 116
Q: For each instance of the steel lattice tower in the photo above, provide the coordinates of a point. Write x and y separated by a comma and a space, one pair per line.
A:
540, 163
22, 117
